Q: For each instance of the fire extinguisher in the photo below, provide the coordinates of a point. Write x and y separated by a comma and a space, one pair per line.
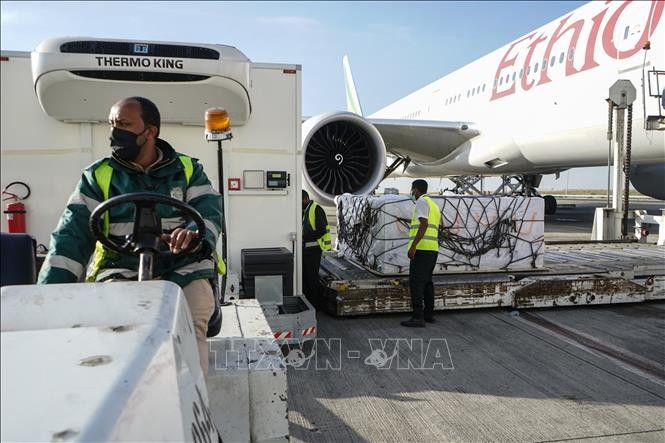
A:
15, 210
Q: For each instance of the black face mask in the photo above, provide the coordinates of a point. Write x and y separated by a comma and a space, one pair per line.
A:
123, 143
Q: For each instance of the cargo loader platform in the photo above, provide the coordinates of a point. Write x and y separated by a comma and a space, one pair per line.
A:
573, 274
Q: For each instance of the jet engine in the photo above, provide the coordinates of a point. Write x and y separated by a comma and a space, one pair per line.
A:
342, 153
649, 180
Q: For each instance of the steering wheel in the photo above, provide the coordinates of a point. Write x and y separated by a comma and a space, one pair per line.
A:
147, 224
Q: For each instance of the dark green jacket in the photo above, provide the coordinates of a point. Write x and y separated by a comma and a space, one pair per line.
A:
72, 242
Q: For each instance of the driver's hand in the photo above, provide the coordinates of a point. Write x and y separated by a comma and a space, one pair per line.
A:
179, 239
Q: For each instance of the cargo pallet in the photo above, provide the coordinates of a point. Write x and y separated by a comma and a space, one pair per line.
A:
573, 274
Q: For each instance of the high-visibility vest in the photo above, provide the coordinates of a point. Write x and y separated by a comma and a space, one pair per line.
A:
430, 241
103, 174
324, 241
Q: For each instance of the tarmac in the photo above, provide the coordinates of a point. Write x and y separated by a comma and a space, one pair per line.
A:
592, 373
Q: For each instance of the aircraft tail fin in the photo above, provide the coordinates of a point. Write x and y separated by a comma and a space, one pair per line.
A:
352, 102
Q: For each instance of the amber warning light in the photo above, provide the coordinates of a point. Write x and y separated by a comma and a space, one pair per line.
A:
217, 124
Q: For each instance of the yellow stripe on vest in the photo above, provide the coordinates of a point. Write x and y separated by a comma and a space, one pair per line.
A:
430, 241
103, 174
324, 241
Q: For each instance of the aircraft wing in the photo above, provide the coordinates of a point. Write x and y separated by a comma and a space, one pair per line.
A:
423, 140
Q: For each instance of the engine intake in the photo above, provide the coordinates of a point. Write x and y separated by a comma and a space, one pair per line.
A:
343, 153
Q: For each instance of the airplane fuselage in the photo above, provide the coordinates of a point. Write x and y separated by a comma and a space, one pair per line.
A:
539, 102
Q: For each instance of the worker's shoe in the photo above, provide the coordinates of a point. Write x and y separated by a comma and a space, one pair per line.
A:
413, 323
430, 320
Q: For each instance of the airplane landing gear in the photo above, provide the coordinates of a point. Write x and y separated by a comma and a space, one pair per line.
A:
511, 185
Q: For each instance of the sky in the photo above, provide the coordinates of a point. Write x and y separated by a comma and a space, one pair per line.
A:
394, 47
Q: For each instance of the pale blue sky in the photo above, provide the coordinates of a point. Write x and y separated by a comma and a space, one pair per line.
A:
394, 47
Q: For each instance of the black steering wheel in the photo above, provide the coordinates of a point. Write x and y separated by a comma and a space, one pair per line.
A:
147, 224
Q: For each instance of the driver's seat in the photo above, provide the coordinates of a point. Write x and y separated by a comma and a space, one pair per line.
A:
18, 259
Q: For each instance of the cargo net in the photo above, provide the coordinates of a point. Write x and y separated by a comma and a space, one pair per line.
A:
475, 233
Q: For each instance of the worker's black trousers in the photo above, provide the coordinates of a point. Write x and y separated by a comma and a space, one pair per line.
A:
420, 283
311, 261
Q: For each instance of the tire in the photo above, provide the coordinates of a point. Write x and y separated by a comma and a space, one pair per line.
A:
550, 205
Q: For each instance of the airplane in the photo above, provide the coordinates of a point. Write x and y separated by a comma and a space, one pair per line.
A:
535, 106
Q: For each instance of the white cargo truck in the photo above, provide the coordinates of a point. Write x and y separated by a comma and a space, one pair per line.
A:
54, 110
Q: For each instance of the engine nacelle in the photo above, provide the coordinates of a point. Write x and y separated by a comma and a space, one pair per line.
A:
649, 180
342, 153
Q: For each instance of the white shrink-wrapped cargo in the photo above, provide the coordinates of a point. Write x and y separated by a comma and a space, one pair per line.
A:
476, 233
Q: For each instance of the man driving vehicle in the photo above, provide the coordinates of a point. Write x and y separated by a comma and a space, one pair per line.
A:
140, 161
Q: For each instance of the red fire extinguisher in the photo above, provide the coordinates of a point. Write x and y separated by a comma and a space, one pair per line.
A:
15, 210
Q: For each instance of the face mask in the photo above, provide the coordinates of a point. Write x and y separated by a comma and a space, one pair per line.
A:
123, 143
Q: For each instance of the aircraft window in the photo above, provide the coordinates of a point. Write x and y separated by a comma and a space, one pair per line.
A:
459, 96
528, 70
468, 93
561, 57
483, 87
552, 60
500, 81
514, 74
571, 54
625, 32
507, 78
521, 72
544, 65
535, 68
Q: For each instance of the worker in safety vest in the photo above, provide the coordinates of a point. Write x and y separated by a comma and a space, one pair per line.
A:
141, 162
315, 240
423, 249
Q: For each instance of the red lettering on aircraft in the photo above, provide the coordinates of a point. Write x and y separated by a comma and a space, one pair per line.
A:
608, 33
506, 63
527, 62
575, 27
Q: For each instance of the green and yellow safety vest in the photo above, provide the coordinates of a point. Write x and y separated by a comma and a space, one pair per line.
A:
430, 241
103, 175
73, 244
324, 241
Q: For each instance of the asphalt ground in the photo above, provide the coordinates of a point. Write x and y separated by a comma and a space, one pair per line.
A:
587, 373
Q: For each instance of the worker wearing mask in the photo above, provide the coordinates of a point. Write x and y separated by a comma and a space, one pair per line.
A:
315, 240
141, 162
423, 249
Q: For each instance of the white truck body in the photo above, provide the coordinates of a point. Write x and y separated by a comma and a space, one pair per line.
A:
48, 152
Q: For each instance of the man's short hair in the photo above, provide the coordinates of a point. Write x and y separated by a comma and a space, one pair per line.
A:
420, 185
149, 112
305, 194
